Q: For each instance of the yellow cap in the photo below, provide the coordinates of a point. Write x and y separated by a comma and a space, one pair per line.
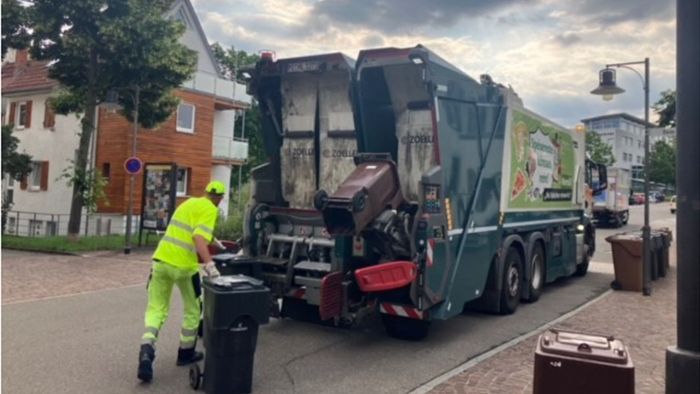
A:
215, 187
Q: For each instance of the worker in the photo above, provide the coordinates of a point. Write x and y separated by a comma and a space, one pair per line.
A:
175, 262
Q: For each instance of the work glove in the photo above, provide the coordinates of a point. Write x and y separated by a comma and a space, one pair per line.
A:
209, 270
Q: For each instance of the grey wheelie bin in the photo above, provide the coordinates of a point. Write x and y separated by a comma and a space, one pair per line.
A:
234, 307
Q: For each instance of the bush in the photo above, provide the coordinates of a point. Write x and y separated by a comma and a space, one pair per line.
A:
231, 228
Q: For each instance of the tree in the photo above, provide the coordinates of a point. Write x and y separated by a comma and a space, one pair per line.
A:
14, 26
16, 165
230, 63
666, 108
98, 45
599, 151
662, 163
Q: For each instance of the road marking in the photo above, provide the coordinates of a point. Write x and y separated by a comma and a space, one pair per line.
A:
426, 387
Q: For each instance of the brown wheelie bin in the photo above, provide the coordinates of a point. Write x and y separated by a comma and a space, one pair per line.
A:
627, 260
574, 362
369, 190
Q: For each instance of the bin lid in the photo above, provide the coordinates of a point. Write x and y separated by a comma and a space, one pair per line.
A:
583, 346
233, 281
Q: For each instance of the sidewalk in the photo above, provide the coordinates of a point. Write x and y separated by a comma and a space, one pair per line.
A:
646, 325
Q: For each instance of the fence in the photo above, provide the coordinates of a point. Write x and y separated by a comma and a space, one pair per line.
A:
37, 224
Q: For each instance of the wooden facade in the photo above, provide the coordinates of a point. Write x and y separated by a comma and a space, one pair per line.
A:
158, 145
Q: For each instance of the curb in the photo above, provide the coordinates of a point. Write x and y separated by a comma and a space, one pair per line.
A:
428, 386
41, 251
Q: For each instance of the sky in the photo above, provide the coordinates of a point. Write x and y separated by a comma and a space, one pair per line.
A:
549, 51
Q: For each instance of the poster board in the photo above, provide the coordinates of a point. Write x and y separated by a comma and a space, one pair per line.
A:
159, 196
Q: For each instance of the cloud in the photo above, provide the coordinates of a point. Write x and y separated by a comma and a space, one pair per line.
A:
567, 39
392, 16
606, 12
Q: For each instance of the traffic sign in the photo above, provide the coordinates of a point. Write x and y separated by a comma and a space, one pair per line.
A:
133, 165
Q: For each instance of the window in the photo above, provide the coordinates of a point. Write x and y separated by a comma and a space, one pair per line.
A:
10, 192
639, 144
51, 228
185, 118
106, 171
34, 228
182, 181
21, 114
38, 178
49, 117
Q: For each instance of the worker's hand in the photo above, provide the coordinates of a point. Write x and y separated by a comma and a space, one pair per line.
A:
219, 244
210, 271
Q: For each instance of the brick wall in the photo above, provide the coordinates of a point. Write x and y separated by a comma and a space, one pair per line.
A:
162, 144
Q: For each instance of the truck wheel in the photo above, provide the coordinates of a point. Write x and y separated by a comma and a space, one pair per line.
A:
405, 328
536, 281
582, 269
511, 282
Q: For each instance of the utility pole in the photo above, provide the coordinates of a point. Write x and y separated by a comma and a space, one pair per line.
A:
683, 360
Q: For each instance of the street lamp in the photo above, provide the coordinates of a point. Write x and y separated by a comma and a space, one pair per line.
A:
111, 102
607, 88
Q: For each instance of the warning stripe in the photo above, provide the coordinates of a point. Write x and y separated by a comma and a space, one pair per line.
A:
429, 252
400, 310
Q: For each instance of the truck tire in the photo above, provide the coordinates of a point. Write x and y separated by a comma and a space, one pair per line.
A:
511, 282
405, 328
537, 266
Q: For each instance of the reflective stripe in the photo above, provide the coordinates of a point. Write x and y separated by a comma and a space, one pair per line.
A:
188, 332
152, 330
148, 341
179, 243
182, 225
188, 344
206, 229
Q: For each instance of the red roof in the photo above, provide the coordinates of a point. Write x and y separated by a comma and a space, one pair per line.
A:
30, 76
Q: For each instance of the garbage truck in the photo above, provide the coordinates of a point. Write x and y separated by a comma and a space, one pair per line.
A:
399, 184
611, 206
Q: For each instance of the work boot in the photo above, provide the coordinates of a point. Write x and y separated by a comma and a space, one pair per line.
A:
146, 357
188, 356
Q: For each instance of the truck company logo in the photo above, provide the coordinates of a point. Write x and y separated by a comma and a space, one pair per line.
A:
335, 153
417, 139
300, 152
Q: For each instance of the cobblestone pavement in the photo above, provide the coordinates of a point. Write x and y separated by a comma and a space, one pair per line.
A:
646, 325
30, 276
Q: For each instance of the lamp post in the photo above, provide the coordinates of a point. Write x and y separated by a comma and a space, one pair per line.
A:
607, 88
111, 102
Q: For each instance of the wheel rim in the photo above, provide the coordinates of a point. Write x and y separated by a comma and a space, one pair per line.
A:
536, 272
513, 281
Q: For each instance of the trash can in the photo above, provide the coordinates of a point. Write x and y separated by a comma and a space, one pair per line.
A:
627, 261
666, 236
234, 307
233, 264
574, 362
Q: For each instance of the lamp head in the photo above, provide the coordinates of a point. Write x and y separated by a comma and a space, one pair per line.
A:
607, 86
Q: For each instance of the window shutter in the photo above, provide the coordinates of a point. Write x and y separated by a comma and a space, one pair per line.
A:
44, 175
29, 115
13, 109
49, 116
23, 183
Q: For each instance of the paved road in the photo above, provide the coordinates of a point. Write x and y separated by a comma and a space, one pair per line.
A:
88, 343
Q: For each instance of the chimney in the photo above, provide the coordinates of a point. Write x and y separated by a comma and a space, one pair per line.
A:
21, 57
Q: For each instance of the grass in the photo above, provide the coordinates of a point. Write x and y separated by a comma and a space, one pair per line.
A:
63, 245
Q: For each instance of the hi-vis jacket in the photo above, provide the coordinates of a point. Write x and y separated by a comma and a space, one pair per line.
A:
196, 216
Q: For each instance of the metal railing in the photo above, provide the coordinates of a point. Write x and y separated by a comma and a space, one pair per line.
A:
38, 224
211, 83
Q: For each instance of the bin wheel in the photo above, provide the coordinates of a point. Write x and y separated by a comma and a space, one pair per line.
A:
196, 376
615, 285
359, 200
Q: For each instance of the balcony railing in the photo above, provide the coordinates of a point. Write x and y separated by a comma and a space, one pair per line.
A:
211, 83
227, 148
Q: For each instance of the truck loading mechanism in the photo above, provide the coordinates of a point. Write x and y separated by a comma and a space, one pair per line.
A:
401, 185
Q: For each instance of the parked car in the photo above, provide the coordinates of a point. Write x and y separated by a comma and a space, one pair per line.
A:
656, 196
638, 198
673, 204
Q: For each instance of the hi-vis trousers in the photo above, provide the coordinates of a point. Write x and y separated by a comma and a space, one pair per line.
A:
160, 286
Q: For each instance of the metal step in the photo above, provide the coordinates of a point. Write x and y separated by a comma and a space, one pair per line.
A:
273, 261
313, 266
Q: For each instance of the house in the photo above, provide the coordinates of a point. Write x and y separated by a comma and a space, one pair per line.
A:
625, 134
198, 138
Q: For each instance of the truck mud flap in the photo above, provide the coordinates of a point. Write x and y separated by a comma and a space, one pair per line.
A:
331, 296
